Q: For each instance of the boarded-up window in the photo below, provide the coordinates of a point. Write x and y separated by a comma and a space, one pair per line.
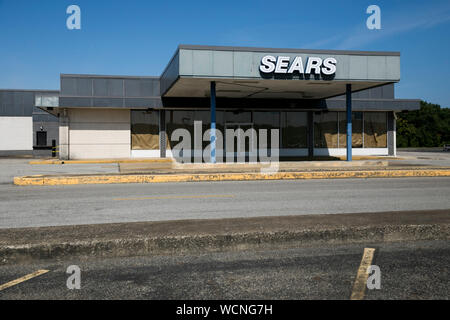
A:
375, 130
144, 130
294, 130
326, 130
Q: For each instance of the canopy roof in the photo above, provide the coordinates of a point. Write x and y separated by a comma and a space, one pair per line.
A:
237, 73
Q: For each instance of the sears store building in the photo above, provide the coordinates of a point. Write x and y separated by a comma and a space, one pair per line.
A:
324, 103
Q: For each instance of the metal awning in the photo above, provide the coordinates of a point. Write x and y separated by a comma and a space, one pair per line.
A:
237, 72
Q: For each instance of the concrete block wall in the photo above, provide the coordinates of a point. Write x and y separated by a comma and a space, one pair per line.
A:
98, 133
16, 133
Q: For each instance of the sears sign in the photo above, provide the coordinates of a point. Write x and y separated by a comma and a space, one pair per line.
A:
284, 65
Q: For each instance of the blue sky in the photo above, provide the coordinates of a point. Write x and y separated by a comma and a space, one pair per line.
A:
139, 37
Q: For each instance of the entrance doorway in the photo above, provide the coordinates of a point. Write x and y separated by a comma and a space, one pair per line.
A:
41, 138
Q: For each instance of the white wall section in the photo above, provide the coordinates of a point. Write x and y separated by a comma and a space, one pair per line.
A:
99, 133
16, 133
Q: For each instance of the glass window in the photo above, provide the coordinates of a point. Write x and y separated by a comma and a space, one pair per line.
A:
294, 129
144, 130
326, 130
375, 130
238, 116
46, 101
177, 119
266, 120
357, 122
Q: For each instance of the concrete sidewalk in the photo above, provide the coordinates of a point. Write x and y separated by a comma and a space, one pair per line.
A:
12, 167
167, 170
196, 236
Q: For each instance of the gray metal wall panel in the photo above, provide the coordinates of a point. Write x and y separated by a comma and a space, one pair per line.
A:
133, 88
8, 97
74, 102
143, 103
108, 102
76, 86
396, 105
138, 103
83, 87
376, 93
382, 92
329, 104
46, 117
37, 110
141, 88
28, 103
389, 91
289, 50
68, 86
16, 103
171, 73
111, 91
156, 86
108, 87
350, 67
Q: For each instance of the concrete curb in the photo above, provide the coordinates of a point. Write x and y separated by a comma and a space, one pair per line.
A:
192, 244
172, 160
160, 178
101, 161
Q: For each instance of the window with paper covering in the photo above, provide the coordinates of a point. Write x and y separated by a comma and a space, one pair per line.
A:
375, 130
144, 130
326, 130
357, 124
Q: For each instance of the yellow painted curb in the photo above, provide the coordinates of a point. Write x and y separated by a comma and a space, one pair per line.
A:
143, 178
100, 161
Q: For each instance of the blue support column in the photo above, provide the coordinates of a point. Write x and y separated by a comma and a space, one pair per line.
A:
348, 96
213, 122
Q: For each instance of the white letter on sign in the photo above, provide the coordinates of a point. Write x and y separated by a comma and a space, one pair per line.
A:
297, 65
313, 63
282, 64
329, 66
267, 64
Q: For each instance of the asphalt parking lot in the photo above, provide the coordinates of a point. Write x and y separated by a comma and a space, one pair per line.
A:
409, 270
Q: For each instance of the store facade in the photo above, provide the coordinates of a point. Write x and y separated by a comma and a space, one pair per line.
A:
311, 97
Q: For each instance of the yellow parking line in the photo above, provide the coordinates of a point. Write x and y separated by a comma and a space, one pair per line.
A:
178, 197
359, 287
22, 279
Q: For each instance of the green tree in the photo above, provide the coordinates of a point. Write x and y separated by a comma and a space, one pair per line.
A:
427, 127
